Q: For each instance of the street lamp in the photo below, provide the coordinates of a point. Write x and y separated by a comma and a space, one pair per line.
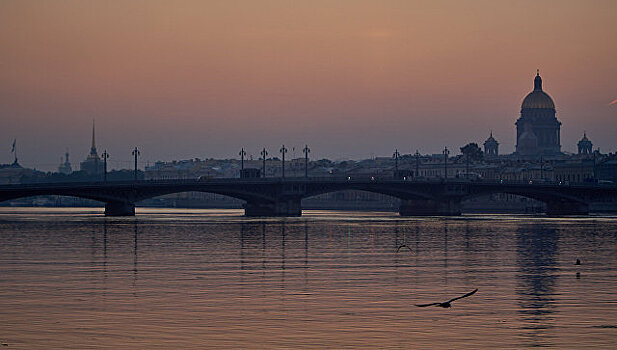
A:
264, 153
283, 150
135, 153
446, 152
595, 171
417, 163
105, 155
242, 154
306, 151
395, 156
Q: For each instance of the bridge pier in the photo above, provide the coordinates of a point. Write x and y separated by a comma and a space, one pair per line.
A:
430, 207
560, 208
289, 207
119, 209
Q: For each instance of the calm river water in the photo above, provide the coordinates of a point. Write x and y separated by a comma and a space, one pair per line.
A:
177, 279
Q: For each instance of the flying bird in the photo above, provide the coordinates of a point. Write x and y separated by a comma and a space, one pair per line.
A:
403, 246
448, 304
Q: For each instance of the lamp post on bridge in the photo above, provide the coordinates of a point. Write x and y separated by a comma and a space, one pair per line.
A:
283, 150
264, 153
105, 155
446, 152
135, 153
595, 171
395, 156
417, 154
306, 151
242, 154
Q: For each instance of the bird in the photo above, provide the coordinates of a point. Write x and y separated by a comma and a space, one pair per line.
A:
403, 246
448, 304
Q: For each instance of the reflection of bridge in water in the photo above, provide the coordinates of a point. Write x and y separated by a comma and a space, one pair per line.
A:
283, 197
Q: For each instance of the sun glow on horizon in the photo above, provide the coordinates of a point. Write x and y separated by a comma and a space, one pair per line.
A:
351, 78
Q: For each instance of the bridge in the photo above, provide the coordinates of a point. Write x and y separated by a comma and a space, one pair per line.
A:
283, 196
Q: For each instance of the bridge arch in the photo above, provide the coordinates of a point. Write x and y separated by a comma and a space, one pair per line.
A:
88, 196
556, 203
377, 188
536, 195
195, 199
232, 193
56, 198
350, 199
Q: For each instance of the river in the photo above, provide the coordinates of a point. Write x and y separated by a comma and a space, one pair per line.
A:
181, 279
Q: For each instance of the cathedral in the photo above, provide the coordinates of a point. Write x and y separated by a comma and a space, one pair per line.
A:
537, 129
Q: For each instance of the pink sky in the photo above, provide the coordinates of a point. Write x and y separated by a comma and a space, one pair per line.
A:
353, 79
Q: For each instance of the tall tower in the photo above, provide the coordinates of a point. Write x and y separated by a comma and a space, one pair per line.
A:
491, 147
92, 165
93, 151
538, 121
65, 167
584, 145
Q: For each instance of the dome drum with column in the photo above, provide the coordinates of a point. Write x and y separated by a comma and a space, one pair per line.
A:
537, 129
491, 147
584, 145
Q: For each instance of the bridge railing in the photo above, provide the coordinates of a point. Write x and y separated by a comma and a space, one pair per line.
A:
325, 179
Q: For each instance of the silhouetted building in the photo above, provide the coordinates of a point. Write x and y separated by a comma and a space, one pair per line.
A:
250, 173
491, 147
538, 130
584, 145
65, 166
93, 164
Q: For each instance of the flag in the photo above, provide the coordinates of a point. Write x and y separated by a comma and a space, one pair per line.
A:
13, 148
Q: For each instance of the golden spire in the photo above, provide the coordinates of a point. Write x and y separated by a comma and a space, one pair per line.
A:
93, 151
93, 139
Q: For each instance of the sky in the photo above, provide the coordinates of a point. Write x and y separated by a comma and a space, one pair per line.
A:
353, 79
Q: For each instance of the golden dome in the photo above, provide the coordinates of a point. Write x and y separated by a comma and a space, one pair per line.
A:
538, 98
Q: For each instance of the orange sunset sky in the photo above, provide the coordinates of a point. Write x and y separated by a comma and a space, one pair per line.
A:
353, 79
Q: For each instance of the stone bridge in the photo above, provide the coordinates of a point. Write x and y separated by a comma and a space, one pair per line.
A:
283, 197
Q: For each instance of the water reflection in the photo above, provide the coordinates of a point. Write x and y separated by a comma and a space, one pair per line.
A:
292, 283
402, 244
263, 248
105, 258
537, 249
445, 252
135, 258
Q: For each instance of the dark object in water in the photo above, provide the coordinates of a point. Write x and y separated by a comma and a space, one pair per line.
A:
578, 262
447, 304
401, 246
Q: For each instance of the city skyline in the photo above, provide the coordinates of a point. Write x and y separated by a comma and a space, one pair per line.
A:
350, 79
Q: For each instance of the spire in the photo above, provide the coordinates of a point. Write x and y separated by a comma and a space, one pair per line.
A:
93, 139
537, 82
93, 147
